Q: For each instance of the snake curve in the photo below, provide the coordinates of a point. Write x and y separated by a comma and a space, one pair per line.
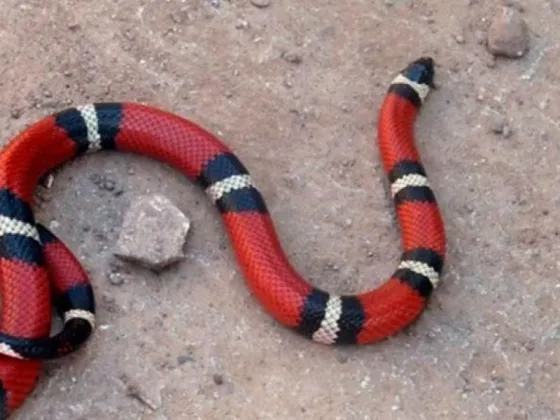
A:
37, 270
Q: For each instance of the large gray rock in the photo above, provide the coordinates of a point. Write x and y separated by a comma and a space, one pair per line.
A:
153, 233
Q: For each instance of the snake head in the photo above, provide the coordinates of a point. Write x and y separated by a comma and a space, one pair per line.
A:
421, 71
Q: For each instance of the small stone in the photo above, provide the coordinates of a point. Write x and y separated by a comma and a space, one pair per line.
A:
498, 383
260, 3
514, 4
116, 278
218, 379
292, 57
480, 37
288, 81
499, 125
543, 104
153, 233
428, 19
241, 24
109, 185
342, 358
180, 16
490, 61
459, 39
508, 34
15, 113
181, 360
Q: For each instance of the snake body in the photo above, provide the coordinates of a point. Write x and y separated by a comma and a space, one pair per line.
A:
37, 269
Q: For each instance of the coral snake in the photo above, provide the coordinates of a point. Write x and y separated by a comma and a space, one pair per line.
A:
37, 271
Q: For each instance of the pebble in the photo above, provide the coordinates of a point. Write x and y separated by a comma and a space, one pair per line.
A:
153, 233
508, 34
181, 360
260, 3
332, 266
15, 113
459, 39
499, 125
342, 358
506, 131
115, 276
241, 24
490, 61
514, 4
292, 57
218, 379
480, 37
180, 16
288, 81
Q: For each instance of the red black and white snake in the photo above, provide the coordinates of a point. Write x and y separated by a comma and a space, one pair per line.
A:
36, 269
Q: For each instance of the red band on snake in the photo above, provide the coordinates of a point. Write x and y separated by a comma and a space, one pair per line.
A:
37, 269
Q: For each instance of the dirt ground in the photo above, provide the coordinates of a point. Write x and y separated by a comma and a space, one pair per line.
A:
294, 88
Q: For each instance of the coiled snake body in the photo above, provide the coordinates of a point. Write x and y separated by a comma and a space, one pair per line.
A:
36, 269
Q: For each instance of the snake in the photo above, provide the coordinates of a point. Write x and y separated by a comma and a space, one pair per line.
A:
38, 272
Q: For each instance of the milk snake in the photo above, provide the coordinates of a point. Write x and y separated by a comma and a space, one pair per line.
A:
36, 269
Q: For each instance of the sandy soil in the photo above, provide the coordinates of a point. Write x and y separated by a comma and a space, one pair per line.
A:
295, 88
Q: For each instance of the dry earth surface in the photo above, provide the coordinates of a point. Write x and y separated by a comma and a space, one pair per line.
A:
294, 88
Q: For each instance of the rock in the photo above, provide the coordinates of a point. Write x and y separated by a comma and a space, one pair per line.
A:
260, 3
153, 233
115, 278
490, 61
292, 57
218, 379
115, 274
180, 16
508, 34
507, 131
181, 360
15, 113
499, 125
241, 24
